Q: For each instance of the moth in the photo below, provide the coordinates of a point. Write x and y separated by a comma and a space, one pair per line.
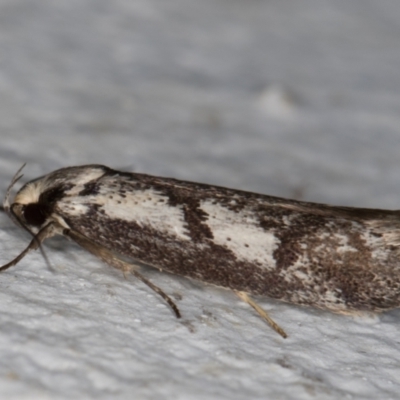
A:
341, 259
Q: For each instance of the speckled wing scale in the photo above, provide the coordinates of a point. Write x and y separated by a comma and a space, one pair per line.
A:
335, 258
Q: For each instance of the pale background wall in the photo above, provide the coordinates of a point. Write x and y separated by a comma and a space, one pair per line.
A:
295, 98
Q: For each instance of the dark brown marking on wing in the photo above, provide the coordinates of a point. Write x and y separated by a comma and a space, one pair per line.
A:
90, 189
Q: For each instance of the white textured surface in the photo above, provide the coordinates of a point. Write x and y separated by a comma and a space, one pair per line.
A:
297, 98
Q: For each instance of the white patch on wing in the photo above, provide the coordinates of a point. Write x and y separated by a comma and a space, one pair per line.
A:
344, 245
88, 175
240, 232
72, 206
143, 207
378, 251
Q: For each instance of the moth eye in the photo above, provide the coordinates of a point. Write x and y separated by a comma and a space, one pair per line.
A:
35, 214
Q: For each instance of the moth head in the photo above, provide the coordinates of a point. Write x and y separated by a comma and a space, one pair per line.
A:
34, 204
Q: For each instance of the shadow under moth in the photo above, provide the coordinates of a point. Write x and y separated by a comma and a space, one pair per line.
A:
340, 259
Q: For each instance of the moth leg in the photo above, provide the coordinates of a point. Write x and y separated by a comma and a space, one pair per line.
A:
263, 314
48, 231
158, 291
112, 259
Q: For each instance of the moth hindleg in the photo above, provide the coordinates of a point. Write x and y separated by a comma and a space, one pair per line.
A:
263, 314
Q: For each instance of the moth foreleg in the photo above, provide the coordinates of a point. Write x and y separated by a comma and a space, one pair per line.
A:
46, 232
244, 296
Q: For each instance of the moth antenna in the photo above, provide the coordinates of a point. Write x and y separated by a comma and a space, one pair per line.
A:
7, 207
263, 314
116, 262
35, 243
15, 179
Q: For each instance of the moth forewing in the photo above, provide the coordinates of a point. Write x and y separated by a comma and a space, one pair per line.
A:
334, 258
